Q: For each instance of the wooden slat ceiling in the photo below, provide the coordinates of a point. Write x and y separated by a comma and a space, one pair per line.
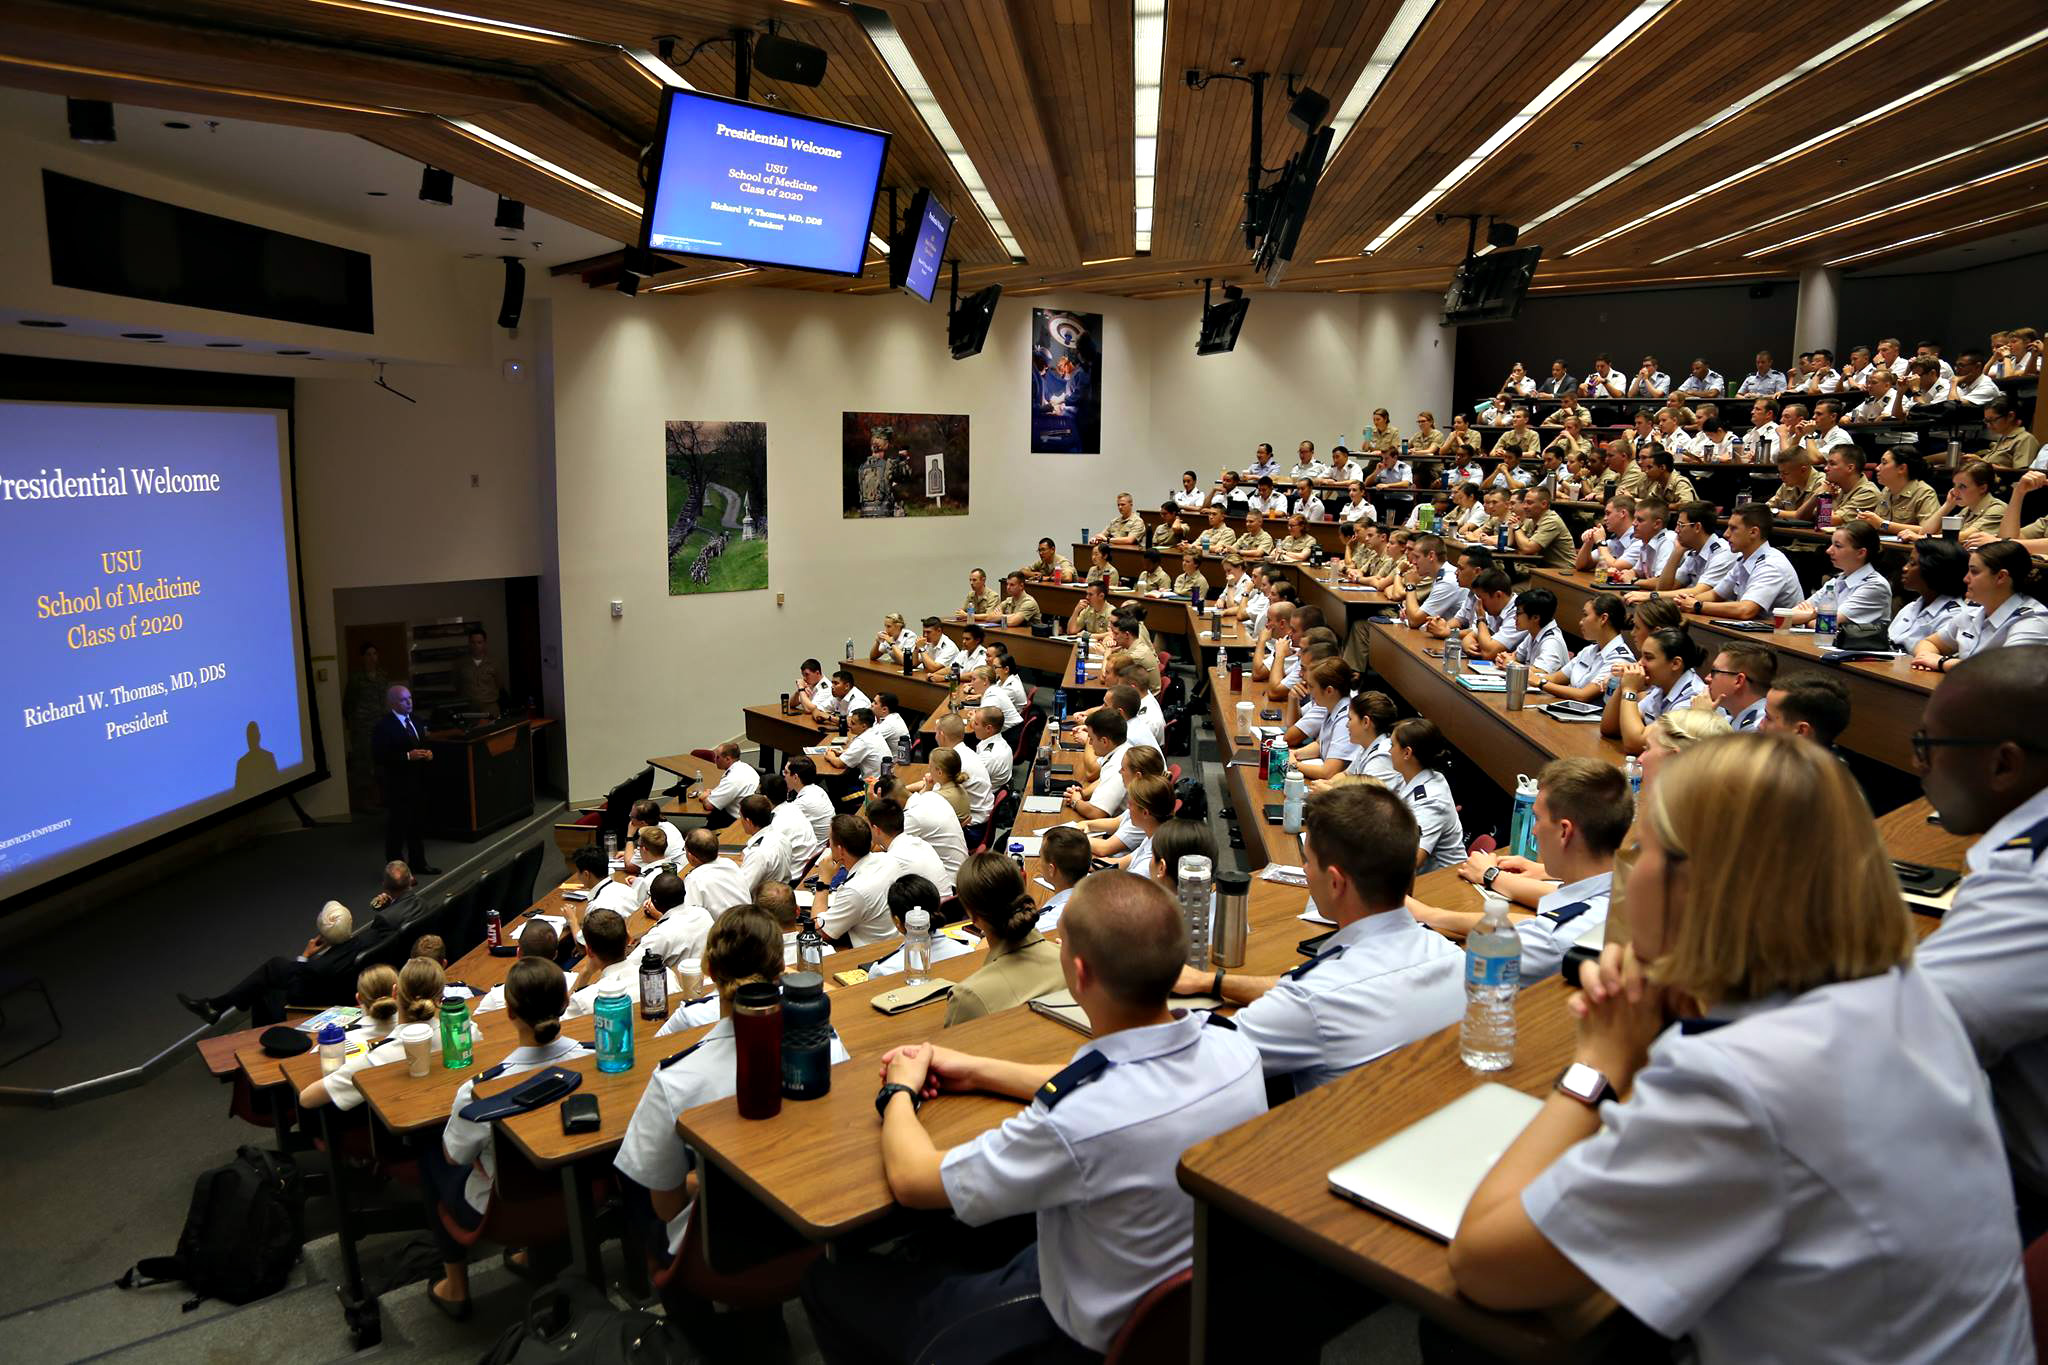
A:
1039, 92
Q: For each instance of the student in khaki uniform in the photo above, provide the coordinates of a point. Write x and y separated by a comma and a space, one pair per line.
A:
1571, 442
1539, 530
1843, 480
1797, 481
1661, 480
1903, 498
1297, 544
2012, 446
1428, 436
1365, 557
1127, 529
2033, 536
1018, 608
1171, 529
1021, 964
1216, 538
1050, 563
1190, 577
1618, 473
1254, 542
1519, 438
1155, 577
1092, 614
1100, 570
981, 598
1973, 496
1383, 437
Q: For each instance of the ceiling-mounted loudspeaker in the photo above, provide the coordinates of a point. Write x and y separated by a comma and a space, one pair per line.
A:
1502, 234
437, 186
788, 61
515, 293
967, 325
511, 215
1308, 111
635, 269
89, 120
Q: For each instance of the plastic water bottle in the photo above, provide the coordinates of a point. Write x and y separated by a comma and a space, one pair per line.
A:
849, 647
1276, 767
1080, 665
1824, 512
1294, 791
1059, 705
1493, 973
810, 944
1522, 826
653, 986
333, 1047
1633, 770
1193, 885
454, 1035
917, 948
614, 1028
1017, 853
1824, 607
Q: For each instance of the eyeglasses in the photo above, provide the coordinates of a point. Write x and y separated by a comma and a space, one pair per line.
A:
1921, 742
1724, 672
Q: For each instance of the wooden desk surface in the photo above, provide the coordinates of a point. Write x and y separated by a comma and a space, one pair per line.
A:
1039, 653
769, 727
687, 765
1273, 1173
1163, 615
1908, 836
915, 692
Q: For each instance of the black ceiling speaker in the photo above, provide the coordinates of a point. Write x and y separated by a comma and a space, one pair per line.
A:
89, 120
788, 61
515, 293
1308, 111
636, 267
1502, 234
511, 214
437, 186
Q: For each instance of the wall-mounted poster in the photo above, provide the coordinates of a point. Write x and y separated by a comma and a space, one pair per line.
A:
1066, 382
904, 464
717, 506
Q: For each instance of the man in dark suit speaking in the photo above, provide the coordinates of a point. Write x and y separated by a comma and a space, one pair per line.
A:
399, 749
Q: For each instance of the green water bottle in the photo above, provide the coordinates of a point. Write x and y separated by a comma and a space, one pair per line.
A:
454, 1035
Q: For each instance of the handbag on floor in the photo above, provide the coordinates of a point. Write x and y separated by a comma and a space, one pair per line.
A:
571, 1322
242, 1233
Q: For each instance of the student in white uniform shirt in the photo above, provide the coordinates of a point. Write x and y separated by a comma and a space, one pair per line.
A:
1008, 692
647, 812
812, 690
929, 816
710, 883
894, 640
981, 793
1306, 465
1379, 982
609, 958
536, 939
857, 909
1762, 580
745, 948
1152, 804
678, 927
974, 649
377, 999
459, 1170
766, 857
652, 856
1739, 683
865, 748
1541, 643
1063, 860
1662, 680
913, 855
1583, 811
1986, 774
907, 893
1114, 836
1093, 1155
1860, 593
1190, 496
415, 999
1999, 613
1603, 624
1107, 735
996, 758
1418, 753
800, 779
936, 652
1933, 576
1756, 1146
842, 696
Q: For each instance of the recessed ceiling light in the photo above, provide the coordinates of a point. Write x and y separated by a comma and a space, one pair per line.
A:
223, 345
1392, 43
1939, 232
176, 123
42, 322
1890, 209
295, 353
1148, 59
144, 336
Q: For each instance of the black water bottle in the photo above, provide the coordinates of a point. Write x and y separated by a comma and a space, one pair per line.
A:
806, 1037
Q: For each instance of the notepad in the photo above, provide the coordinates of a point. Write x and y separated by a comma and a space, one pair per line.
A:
1474, 682
1426, 1174
1028, 842
1042, 805
555, 922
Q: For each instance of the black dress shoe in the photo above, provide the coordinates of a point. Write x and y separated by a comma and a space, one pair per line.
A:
458, 1309
203, 1008
428, 871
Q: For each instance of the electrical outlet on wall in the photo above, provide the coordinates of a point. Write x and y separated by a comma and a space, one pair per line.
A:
778, 599
618, 609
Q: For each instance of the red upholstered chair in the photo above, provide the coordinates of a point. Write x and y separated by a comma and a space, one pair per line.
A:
690, 1277
1157, 1331
2036, 1263
708, 755
527, 1207
1483, 844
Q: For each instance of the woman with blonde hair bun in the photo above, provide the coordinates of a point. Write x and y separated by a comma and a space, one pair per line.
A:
1723, 1157
408, 996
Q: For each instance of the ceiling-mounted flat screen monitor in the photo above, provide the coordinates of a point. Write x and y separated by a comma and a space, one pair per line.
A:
1489, 288
914, 259
1220, 326
737, 182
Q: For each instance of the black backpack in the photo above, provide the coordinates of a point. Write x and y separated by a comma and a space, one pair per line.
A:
242, 1234
572, 1322
1194, 800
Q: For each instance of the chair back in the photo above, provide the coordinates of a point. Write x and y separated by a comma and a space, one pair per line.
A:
519, 882
2035, 1263
1158, 1329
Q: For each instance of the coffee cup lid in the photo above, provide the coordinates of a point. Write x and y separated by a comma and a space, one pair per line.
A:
416, 1033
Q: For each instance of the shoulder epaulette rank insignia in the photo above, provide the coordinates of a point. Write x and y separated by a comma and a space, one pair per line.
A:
1305, 968
492, 1073
1691, 1026
1221, 1021
667, 1062
1071, 1078
1565, 914
2035, 840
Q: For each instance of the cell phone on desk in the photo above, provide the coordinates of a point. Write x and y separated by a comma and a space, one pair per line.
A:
579, 1114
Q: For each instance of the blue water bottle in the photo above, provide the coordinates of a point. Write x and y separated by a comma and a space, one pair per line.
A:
1522, 825
615, 1028
1059, 705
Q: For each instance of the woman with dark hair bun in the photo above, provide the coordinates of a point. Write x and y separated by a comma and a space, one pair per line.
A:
1418, 753
1021, 964
461, 1169
1933, 574
2000, 612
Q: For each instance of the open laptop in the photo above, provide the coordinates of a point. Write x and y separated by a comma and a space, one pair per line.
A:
1425, 1174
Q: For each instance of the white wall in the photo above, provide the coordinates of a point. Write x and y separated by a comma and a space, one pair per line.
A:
675, 672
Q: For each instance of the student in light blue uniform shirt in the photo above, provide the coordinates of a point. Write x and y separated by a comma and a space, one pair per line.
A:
1541, 644
1739, 679
459, 1170
1762, 581
745, 946
1933, 577
1707, 557
1092, 1155
1380, 982
1371, 717
1329, 682
1654, 542
1986, 774
1417, 753
1859, 591
1662, 680
1263, 465
1441, 594
1603, 624
1776, 1051
1999, 613
1583, 811
1492, 630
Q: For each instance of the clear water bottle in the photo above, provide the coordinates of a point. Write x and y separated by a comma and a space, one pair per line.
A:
653, 986
849, 646
1633, 769
810, 944
333, 1047
1293, 793
1824, 609
1493, 973
1017, 853
614, 1028
1343, 441
1059, 705
917, 948
1193, 886
1276, 766
1522, 825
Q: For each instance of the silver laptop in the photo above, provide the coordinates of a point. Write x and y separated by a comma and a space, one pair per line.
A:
1425, 1174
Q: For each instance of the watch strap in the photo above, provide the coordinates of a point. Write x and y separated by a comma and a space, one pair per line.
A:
882, 1097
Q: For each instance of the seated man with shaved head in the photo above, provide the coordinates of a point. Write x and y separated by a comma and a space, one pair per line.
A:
1092, 1155
1984, 766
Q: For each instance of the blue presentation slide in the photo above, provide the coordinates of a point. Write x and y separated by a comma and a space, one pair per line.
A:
750, 184
928, 250
149, 625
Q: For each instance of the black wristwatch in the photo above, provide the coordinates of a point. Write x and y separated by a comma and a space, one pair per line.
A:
882, 1097
1491, 876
